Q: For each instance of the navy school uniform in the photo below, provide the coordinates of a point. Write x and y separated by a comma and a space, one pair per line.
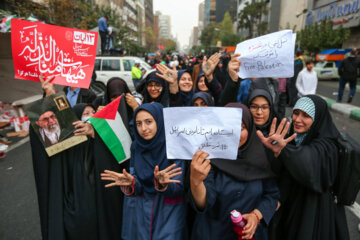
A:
224, 194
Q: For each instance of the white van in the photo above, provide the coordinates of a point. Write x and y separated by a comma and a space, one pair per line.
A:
326, 70
107, 67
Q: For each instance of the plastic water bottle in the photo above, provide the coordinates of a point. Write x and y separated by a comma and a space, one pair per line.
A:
238, 223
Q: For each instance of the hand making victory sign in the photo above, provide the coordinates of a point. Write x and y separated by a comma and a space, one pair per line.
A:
276, 140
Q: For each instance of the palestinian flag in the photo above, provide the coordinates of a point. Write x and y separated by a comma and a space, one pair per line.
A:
109, 124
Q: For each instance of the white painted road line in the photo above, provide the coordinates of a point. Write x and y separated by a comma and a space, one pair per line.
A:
18, 144
355, 209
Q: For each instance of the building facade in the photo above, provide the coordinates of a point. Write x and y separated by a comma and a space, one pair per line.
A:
164, 23
345, 13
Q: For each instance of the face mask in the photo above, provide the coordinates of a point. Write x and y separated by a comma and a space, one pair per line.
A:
84, 119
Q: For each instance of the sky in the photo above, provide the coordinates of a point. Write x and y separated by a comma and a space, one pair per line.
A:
184, 16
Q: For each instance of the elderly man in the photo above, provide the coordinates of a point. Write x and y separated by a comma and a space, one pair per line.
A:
50, 129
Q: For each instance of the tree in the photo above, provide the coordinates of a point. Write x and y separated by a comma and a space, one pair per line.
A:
317, 37
169, 45
227, 35
210, 35
251, 18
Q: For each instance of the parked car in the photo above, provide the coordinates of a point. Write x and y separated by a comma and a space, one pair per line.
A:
326, 70
107, 67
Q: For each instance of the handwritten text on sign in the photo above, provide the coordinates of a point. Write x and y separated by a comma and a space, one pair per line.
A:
213, 130
68, 54
271, 55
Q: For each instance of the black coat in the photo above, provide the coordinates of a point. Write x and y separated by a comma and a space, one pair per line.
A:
349, 68
73, 202
308, 210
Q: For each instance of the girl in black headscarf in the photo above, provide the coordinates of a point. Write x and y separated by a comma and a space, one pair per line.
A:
213, 87
156, 90
308, 209
245, 184
202, 99
262, 109
114, 88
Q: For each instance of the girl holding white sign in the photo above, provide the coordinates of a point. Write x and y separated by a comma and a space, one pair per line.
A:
245, 184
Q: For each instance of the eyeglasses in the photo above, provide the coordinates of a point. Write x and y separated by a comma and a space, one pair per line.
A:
53, 117
255, 108
155, 85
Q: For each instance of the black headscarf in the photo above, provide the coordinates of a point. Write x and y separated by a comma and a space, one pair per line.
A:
164, 97
79, 109
251, 163
116, 87
186, 96
197, 83
259, 92
204, 96
323, 126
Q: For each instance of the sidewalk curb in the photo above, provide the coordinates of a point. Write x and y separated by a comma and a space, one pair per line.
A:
349, 110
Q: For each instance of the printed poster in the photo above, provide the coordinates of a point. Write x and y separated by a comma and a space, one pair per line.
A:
68, 54
51, 119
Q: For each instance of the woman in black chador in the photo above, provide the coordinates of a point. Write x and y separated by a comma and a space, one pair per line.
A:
309, 166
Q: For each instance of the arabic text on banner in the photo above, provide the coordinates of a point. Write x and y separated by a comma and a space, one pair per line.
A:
214, 130
68, 54
271, 55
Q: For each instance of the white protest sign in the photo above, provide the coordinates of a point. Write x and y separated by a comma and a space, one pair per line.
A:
271, 55
214, 130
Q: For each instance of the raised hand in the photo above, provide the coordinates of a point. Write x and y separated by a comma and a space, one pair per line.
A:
130, 100
199, 168
276, 140
83, 128
46, 85
124, 179
234, 67
169, 75
164, 177
208, 66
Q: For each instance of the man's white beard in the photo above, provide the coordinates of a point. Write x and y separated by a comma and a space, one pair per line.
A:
52, 136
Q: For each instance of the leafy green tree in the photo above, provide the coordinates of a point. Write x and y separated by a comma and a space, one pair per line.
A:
169, 45
318, 37
210, 34
251, 18
227, 35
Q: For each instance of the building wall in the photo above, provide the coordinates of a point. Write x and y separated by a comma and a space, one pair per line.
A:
201, 20
345, 13
165, 26
149, 14
223, 6
207, 12
291, 14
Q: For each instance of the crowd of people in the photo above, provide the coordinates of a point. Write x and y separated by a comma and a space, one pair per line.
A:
281, 180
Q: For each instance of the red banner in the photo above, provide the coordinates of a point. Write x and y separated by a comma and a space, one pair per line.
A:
68, 54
